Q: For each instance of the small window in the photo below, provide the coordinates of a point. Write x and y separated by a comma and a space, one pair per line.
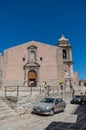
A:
23, 59
60, 100
64, 54
40, 58
57, 101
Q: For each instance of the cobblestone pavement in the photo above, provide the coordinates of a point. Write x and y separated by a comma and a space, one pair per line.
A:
60, 121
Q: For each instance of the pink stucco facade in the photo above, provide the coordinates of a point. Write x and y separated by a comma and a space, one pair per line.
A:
38, 62
13, 59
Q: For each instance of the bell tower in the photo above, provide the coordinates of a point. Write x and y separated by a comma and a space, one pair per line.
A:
66, 61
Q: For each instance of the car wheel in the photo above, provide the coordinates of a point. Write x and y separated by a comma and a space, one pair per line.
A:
52, 112
63, 109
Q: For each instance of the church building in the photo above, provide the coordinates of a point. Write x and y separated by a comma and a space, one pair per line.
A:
37, 62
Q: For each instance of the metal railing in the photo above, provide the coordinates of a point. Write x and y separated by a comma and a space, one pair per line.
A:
19, 90
10, 89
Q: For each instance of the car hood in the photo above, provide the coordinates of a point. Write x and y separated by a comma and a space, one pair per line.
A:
43, 105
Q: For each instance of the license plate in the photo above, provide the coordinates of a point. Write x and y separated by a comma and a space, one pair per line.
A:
38, 110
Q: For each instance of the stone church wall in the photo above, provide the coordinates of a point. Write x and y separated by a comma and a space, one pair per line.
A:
46, 60
13, 63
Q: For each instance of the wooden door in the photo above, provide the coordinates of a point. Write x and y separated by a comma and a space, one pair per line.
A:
32, 78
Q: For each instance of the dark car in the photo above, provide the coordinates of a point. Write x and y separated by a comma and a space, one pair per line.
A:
49, 105
78, 99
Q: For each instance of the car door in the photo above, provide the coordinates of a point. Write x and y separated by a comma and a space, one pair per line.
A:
57, 105
61, 104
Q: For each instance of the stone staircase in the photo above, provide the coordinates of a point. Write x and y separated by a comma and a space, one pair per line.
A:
11, 107
25, 103
5, 111
18, 106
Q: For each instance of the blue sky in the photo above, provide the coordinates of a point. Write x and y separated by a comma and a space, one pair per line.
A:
45, 21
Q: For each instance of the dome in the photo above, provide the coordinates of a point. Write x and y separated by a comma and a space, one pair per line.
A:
63, 38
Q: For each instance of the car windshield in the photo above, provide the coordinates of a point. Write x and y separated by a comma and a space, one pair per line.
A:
77, 96
48, 100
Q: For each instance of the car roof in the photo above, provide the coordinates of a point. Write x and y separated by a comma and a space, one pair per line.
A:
52, 97
77, 95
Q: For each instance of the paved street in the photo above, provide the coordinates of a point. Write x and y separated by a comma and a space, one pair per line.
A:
74, 118
60, 121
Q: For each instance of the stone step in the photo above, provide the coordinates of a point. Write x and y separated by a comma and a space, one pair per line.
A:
7, 116
2, 108
1, 103
6, 111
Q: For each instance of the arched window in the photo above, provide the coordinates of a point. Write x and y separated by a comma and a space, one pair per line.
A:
64, 54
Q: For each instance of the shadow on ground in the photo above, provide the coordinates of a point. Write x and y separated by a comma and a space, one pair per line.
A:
80, 123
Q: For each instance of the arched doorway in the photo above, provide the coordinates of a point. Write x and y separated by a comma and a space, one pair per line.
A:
32, 78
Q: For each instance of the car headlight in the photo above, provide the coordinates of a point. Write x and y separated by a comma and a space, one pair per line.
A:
47, 107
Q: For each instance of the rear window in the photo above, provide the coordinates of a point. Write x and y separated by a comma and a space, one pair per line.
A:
77, 96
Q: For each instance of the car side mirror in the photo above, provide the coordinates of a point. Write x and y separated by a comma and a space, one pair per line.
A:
56, 103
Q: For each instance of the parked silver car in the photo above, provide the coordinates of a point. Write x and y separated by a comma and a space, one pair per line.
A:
49, 105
